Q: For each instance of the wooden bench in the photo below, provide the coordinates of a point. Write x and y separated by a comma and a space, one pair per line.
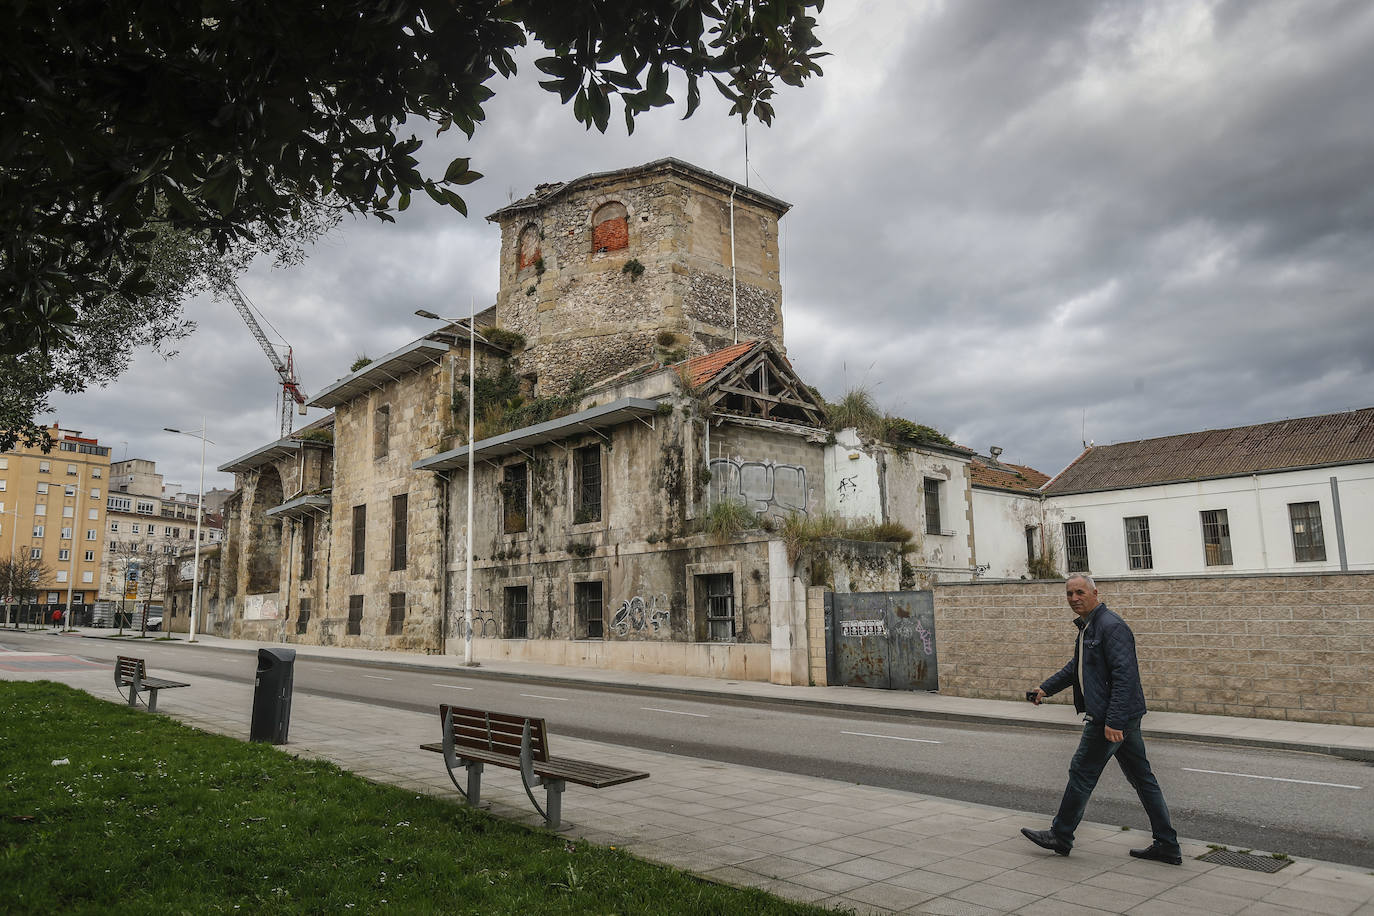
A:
131, 675
474, 737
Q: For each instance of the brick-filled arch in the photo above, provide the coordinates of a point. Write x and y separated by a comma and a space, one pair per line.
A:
610, 228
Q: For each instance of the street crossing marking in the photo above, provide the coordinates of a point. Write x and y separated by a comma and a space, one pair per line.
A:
892, 737
676, 712
1306, 782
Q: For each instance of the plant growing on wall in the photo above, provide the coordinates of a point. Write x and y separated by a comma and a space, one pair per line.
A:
729, 518
1046, 565
633, 268
505, 339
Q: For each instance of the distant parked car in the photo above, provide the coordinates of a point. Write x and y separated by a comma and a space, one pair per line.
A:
154, 623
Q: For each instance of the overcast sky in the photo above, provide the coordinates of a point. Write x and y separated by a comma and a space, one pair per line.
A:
1025, 224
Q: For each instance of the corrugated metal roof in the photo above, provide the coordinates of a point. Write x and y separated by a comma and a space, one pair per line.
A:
1337, 438
380, 371
611, 414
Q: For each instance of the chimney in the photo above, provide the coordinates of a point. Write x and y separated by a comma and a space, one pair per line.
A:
994, 452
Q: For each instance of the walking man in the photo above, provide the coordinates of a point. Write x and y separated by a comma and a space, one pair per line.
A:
1105, 678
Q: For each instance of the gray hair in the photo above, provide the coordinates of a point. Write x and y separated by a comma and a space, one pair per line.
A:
1085, 577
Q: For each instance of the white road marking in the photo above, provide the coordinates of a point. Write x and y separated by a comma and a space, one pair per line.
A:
1306, 782
537, 696
676, 712
377, 677
892, 737
453, 686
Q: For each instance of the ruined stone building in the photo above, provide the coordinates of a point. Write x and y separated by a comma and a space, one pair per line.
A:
643, 455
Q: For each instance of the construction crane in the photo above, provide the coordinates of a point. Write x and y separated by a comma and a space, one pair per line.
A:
286, 369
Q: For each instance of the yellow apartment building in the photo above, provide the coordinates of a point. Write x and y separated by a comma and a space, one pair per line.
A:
52, 515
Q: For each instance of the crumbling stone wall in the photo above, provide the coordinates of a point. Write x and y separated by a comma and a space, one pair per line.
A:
1296, 647
600, 296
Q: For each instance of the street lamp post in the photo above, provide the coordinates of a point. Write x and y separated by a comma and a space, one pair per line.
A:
71, 555
472, 382
13, 583
200, 512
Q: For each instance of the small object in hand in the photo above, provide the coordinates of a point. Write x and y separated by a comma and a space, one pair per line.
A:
1031, 694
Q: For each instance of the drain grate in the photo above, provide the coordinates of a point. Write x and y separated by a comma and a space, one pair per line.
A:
1245, 860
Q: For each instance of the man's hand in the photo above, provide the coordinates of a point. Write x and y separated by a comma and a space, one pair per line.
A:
1114, 735
1035, 696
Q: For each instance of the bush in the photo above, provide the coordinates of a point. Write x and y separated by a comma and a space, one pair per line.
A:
729, 518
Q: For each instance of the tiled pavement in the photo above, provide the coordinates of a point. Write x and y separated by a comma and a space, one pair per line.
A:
805, 838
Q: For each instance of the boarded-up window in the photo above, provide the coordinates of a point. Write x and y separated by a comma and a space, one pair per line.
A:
610, 228
359, 539
400, 508
528, 253
397, 621
308, 547
381, 431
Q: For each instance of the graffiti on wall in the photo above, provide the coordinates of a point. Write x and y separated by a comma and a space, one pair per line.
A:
765, 487
637, 615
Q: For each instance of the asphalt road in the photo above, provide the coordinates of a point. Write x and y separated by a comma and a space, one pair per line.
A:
1309, 805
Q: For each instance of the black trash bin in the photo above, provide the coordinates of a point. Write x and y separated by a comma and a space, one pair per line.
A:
272, 695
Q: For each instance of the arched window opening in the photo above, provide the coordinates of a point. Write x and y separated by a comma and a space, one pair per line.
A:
528, 253
610, 228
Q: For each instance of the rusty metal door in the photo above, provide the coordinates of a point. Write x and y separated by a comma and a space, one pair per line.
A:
881, 639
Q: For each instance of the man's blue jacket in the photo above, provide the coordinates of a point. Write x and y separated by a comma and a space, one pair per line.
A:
1110, 694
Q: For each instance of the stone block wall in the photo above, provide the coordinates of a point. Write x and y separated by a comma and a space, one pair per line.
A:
815, 635
1295, 647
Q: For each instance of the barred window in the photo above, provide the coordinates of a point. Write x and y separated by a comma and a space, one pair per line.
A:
932, 494
588, 464
397, 621
587, 600
1076, 546
1138, 542
717, 597
1309, 546
517, 612
303, 616
1216, 537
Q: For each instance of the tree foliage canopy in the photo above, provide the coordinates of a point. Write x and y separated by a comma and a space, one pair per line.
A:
231, 120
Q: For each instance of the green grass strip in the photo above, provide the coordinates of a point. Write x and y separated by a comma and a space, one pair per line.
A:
151, 816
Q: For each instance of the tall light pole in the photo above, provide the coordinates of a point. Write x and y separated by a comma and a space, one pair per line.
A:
200, 512
472, 382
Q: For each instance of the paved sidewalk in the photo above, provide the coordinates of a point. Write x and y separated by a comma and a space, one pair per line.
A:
805, 838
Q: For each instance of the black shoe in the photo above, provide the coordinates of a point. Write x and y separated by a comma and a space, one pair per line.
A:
1156, 853
1046, 839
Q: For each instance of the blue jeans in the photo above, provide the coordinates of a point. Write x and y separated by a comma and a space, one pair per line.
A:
1094, 750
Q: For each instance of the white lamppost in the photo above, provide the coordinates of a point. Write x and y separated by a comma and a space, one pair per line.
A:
473, 337
200, 511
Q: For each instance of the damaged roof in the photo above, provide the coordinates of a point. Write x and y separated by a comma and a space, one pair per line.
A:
1305, 442
1003, 475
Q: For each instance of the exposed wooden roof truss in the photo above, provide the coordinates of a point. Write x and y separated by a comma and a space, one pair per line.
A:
763, 385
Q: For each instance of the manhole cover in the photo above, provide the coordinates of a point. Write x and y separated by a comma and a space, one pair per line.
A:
1245, 860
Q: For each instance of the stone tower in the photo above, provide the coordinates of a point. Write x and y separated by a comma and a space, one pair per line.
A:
612, 269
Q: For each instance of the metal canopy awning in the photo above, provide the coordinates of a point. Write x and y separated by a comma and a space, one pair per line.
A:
282, 448
594, 418
299, 507
380, 371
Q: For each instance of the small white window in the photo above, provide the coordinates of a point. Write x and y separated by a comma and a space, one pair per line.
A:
69, 512
90, 556
90, 534
135, 527
44, 467
61, 575
35, 553
4, 463
95, 492
38, 531
69, 490
87, 577
152, 529
66, 534
40, 509
71, 469
64, 554
114, 526
93, 514
42, 488
95, 472
2, 486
